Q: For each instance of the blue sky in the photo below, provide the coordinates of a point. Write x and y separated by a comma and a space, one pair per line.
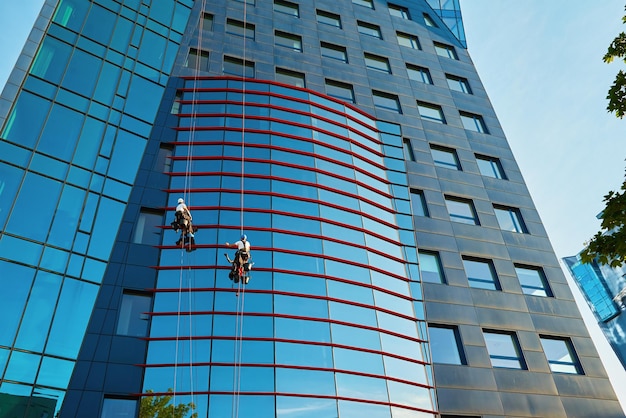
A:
541, 64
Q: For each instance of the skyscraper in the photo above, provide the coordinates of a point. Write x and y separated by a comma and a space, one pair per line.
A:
604, 289
360, 137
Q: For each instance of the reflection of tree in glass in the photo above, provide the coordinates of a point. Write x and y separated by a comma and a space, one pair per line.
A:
159, 407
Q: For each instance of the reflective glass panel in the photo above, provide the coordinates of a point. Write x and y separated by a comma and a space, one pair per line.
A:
445, 345
480, 274
504, 350
430, 267
532, 281
561, 355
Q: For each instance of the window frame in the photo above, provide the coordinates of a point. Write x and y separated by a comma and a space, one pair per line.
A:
528, 289
457, 83
289, 75
201, 59
424, 73
247, 30
429, 21
441, 151
456, 338
243, 64
327, 46
519, 357
445, 50
517, 220
373, 58
125, 330
473, 122
555, 363
387, 97
407, 144
436, 259
141, 235
418, 200
285, 5
374, 29
458, 217
365, 3
331, 17
494, 168
288, 40
338, 85
492, 283
412, 41
399, 11
424, 106
207, 20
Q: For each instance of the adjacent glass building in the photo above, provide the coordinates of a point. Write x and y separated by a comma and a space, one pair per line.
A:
400, 267
604, 289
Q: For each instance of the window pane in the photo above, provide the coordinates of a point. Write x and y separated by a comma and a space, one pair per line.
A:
503, 350
236, 66
480, 274
134, 318
445, 157
288, 40
446, 51
386, 101
532, 281
237, 27
458, 84
461, 211
490, 167
430, 267
445, 345
198, 60
118, 408
339, 90
369, 29
334, 51
407, 40
419, 74
147, 229
418, 203
561, 355
290, 77
328, 18
286, 7
366, 3
378, 63
399, 11
509, 219
431, 112
473, 122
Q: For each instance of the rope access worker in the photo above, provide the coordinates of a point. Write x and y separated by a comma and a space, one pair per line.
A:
182, 221
242, 256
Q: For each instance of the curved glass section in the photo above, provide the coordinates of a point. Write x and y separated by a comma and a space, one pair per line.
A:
328, 322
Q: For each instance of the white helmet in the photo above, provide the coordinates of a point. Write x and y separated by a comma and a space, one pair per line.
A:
180, 200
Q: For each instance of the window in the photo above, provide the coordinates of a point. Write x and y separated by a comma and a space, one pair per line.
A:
147, 229
504, 350
334, 51
246, 1
458, 84
369, 29
235, 27
288, 40
289, 77
461, 210
386, 101
339, 90
532, 280
444, 50
399, 11
410, 41
328, 18
376, 62
510, 219
133, 318
445, 157
163, 162
237, 67
287, 7
429, 21
473, 122
176, 105
420, 74
366, 3
198, 59
418, 203
480, 273
207, 22
431, 112
561, 355
490, 167
408, 149
430, 267
117, 407
445, 344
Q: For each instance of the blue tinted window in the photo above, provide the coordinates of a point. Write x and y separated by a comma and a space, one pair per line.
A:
51, 59
16, 281
355, 337
305, 381
109, 213
38, 315
55, 372
10, 178
70, 14
60, 134
22, 367
353, 386
121, 34
303, 355
301, 330
152, 47
100, 24
358, 361
445, 345
76, 78
36, 205
143, 99
480, 274
26, 119
126, 156
71, 318
316, 407
504, 350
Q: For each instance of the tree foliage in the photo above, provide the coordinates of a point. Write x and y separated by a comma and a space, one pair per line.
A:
160, 407
617, 92
608, 245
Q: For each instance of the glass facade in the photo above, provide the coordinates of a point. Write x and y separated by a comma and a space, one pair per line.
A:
120, 107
